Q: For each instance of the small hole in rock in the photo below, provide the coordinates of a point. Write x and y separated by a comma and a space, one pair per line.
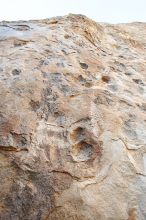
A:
88, 84
16, 71
84, 65
105, 78
81, 78
66, 36
128, 73
138, 81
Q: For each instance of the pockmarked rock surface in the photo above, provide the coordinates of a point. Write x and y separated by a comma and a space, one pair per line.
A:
72, 120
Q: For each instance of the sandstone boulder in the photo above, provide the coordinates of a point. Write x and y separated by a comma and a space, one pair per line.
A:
72, 120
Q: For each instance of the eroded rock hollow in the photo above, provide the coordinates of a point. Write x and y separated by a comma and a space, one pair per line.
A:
72, 120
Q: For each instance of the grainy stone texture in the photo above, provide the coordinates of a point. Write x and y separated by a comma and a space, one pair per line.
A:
72, 120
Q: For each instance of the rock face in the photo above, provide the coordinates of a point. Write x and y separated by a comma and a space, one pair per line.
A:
72, 120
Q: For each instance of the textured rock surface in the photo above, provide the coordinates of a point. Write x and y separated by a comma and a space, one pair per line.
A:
72, 120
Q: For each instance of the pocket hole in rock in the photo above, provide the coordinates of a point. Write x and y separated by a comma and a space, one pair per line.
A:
77, 135
82, 151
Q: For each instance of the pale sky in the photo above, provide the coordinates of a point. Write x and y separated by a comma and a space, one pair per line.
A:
112, 11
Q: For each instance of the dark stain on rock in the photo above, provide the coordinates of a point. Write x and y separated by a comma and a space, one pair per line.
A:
21, 140
19, 43
61, 181
113, 87
88, 84
139, 82
49, 103
11, 148
35, 105
104, 99
6, 126
14, 142
30, 201
129, 129
58, 80
21, 27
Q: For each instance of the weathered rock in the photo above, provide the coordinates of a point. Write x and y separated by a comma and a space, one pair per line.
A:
72, 120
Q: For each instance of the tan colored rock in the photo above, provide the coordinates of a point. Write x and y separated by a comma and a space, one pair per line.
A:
72, 120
